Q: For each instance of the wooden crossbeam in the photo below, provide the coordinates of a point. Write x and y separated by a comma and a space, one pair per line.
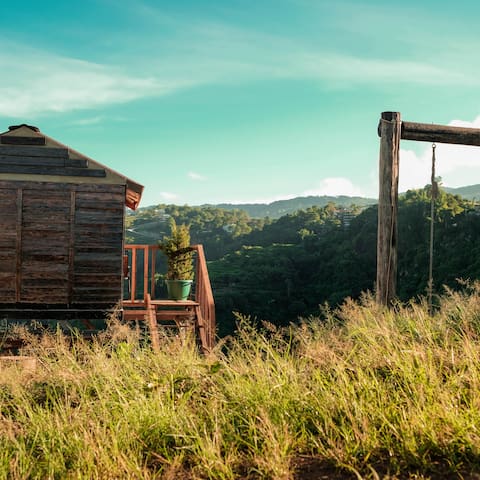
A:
201, 330
425, 132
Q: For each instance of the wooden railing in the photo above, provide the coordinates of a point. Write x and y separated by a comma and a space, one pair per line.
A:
142, 282
138, 278
204, 296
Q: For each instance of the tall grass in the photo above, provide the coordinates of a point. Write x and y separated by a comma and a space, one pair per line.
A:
367, 392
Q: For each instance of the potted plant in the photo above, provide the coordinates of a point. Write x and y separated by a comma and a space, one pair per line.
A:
179, 253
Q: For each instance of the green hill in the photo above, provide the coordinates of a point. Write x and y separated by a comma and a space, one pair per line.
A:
303, 260
283, 207
472, 192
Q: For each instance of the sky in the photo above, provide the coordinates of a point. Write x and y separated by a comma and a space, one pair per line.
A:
237, 101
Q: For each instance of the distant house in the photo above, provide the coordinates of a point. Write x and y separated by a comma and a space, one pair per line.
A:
161, 215
61, 229
230, 228
345, 216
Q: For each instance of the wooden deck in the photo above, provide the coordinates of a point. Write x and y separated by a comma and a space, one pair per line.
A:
141, 304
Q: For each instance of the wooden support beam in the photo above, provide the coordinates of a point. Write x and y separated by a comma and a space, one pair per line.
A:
425, 132
389, 129
152, 270
145, 274
133, 276
201, 331
152, 324
430, 132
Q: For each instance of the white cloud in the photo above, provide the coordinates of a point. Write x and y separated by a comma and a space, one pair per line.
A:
35, 82
196, 176
458, 165
227, 54
334, 186
88, 121
266, 200
168, 196
333, 67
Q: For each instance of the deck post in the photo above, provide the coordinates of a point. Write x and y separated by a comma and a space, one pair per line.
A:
389, 130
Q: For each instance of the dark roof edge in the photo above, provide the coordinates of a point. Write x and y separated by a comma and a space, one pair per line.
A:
11, 128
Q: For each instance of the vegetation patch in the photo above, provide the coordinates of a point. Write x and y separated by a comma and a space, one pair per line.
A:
362, 393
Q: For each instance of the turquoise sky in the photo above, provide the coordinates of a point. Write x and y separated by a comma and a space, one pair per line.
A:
243, 101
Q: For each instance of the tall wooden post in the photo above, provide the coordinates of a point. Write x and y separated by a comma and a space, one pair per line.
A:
389, 130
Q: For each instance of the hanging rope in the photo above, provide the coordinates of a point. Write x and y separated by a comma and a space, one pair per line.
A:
433, 196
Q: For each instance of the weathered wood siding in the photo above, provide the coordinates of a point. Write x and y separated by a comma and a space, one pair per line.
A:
98, 245
61, 243
8, 244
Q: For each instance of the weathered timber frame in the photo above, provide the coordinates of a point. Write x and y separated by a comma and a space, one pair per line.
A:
390, 130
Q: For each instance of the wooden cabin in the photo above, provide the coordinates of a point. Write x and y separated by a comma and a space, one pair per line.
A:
61, 230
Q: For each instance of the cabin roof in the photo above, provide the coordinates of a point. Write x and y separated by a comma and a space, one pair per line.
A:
28, 154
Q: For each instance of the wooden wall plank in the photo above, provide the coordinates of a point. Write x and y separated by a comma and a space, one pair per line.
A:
8, 220
8, 244
18, 140
8, 265
44, 258
34, 151
99, 245
100, 217
47, 197
47, 170
71, 246
45, 295
18, 247
113, 193
33, 282
101, 231
38, 161
63, 186
39, 267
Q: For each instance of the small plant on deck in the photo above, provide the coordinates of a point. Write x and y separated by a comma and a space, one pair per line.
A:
179, 253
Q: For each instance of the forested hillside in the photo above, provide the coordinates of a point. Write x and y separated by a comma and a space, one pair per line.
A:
327, 262
470, 192
217, 229
280, 269
280, 208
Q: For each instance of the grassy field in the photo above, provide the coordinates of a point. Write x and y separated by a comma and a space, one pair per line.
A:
367, 393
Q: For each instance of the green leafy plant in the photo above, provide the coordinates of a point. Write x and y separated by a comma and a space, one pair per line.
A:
178, 251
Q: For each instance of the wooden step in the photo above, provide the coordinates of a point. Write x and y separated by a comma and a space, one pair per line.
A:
174, 303
160, 314
183, 314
